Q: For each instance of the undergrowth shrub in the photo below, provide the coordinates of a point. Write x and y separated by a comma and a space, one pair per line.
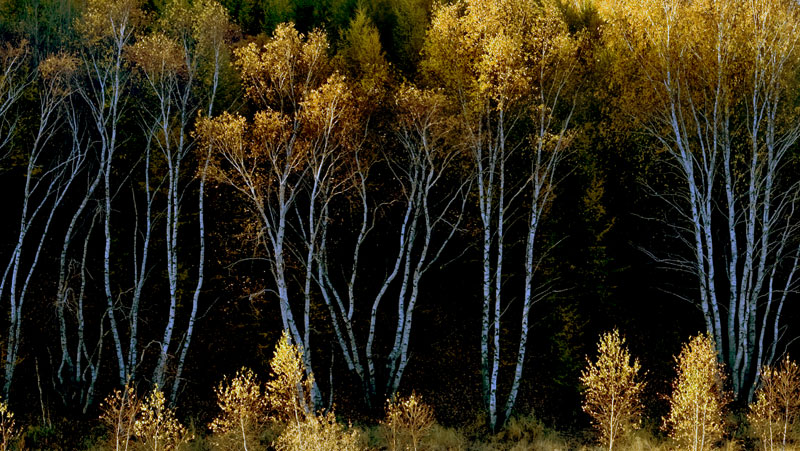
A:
156, 427
319, 433
407, 421
8, 429
695, 420
242, 409
119, 412
288, 398
773, 414
526, 432
612, 389
440, 438
288, 392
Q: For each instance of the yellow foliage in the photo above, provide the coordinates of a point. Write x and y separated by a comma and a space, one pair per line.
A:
8, 429
242, 405
105, 19
774, 413
120, 410
695, 419
159, 56
284, 69
612, 389
502, 51
288, 393
319, 433
57, 72
407, 422
156, 426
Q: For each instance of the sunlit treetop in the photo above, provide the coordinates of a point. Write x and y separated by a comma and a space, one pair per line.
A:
278, 73
158, 55
496, 50
109, 19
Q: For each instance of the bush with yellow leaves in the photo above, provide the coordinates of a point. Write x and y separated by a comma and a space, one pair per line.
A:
698, 398
288, 396
288, 393
119, 412
612, 388
407, 422
8, 429
242, 405
773, 414
156, 427
319, 433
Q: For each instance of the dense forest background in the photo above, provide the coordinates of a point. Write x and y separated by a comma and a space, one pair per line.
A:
183, 180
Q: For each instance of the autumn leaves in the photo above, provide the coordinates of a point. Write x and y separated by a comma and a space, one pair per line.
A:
698, 405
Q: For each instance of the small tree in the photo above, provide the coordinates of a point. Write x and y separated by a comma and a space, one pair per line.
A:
242, 404
8, 429
777, 404
119, 412
698, 396
407, 419
288, 393
157, 427
612, 389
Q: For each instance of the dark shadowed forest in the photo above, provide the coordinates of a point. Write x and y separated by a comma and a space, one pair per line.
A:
399, 224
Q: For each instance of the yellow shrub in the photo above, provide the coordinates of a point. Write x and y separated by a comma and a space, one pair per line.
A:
698, 399
319, 433
773, 414
288, 393
242, 406
8, 429
119, 412
612, 389
408, 420
157, 427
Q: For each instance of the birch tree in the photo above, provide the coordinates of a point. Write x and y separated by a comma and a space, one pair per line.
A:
15, 78
170, 60
705, 70
47, 176
106, 29
266, 161
432, 187
506, 64
79, 363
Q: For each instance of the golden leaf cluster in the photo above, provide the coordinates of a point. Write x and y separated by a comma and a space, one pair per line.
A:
57, 71
319, 433
695, 420
241, 403
612, 389
774, 413
498, 50
288, 391
119, 412
279, 73
407, 422
706, 55
8, 429
159, 56
156, 426
105, 19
